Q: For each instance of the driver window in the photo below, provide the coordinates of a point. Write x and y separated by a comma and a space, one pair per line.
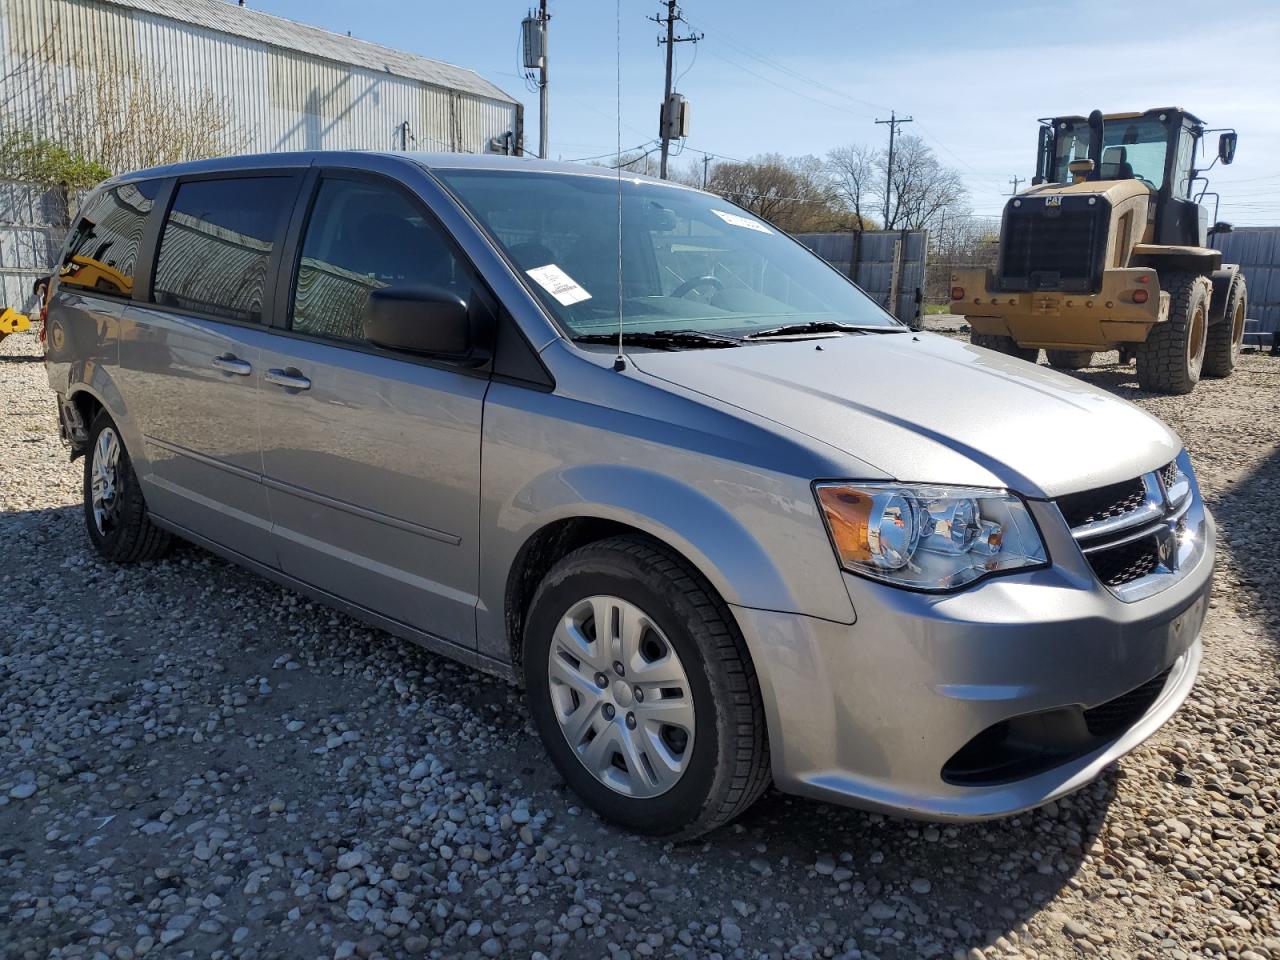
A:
363, 237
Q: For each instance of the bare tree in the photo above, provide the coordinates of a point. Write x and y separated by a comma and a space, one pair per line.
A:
854, 172
922, 195
923, 189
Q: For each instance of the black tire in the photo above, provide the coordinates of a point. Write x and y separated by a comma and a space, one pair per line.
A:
1005, 345
128, 535
729, 766
1069, 359
1225, 337
1170, 359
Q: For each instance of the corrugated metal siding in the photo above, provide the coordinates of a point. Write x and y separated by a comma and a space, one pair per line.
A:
1257, 250
285, 85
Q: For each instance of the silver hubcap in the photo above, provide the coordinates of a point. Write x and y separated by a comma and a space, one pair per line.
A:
622, 696
104, 491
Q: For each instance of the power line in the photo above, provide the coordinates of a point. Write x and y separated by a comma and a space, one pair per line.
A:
1015, 181
783, 68
782, 86
611, 153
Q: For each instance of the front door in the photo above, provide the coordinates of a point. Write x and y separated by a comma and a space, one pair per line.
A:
372, 459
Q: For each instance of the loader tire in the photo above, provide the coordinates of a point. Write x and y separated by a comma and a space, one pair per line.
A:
1170, 359
1224, 339
1005, 345
1069, 359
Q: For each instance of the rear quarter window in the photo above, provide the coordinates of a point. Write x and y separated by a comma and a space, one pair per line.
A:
217, 244
102, 252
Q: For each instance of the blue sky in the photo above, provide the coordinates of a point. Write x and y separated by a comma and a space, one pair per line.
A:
801, 78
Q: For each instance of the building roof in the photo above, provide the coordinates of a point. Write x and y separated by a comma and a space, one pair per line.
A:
252, 24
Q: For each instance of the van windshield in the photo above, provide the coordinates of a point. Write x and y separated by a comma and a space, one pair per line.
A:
689, 260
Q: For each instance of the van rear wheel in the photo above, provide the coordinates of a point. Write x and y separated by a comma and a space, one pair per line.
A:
115, 513
642, 690
1005, 345
1170, 359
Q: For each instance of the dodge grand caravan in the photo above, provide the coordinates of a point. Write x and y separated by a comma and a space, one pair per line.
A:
630, 446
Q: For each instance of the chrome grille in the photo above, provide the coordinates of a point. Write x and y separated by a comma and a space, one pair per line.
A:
1132, 532
1113, 500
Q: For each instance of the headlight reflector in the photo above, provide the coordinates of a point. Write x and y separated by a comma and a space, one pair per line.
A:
928, 537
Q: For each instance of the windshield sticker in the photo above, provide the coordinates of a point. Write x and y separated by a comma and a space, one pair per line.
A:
736, 221
559, 284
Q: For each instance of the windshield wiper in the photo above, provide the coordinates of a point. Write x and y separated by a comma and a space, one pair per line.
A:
817, 326
662, 339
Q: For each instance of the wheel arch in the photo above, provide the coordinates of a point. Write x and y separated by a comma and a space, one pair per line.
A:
620, 500
1222, 279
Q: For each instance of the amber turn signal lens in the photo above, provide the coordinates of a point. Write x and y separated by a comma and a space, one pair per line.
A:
848, 515
1140, 296
957, 293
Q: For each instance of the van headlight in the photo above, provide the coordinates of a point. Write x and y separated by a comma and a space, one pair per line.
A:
929, 537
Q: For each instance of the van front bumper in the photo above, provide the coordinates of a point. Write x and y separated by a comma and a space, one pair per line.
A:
1047, 670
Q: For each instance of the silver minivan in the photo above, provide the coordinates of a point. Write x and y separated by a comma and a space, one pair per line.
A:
622, 442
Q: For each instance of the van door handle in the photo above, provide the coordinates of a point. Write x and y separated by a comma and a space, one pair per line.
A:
229, 363
291, 378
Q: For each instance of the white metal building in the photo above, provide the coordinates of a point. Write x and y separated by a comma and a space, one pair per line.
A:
287, 86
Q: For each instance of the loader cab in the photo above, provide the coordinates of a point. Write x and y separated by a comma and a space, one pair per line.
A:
1157, 148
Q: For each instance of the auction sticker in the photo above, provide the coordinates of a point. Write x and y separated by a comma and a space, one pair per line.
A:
559, 284
736, 221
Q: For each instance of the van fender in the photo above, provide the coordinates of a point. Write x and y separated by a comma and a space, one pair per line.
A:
703, 530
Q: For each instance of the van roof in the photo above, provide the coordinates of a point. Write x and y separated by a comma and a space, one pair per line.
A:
431, 161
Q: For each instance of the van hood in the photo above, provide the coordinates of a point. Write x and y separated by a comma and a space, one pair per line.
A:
926, 408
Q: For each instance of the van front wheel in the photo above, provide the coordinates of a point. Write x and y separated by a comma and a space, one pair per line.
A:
642, 690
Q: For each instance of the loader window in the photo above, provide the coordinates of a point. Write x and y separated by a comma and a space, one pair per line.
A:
1131, 149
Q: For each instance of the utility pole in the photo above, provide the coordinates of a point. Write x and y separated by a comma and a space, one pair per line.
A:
533, 38
893, 123
1015, 181
671, 19
543, 129
705, 160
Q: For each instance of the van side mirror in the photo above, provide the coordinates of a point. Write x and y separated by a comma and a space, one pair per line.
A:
418, 319
1227, 147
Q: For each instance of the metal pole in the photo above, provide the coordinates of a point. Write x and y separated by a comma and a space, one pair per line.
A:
666, 97
705, 160
1015, 181
543, 131
893, 122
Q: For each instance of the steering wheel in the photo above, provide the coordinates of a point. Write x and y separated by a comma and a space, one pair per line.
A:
693, 283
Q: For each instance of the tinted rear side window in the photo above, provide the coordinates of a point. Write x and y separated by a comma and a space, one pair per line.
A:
102, 254
217, 243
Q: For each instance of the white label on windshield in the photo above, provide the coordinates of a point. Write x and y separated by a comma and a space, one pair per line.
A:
559, 284
736, 221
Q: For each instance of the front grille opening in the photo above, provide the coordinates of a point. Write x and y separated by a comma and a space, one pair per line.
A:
1025, 746
1103, 503
1109, 720
1116, 566
1169, 474
1051, 248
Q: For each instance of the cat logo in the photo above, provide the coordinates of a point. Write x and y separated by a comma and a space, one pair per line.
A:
1053, 200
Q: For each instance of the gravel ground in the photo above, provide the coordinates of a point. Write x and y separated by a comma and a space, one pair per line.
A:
197, 763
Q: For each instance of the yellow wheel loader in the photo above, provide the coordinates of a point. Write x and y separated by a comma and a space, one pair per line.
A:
1108, 249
